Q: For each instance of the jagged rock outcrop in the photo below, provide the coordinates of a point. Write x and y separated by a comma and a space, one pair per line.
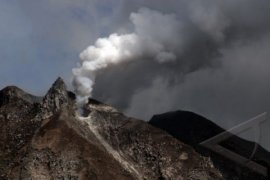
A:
52, 139
56, 98
193, 129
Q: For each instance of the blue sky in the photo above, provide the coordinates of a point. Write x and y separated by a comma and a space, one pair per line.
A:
40, 40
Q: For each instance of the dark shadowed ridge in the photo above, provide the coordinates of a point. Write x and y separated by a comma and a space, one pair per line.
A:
193, 129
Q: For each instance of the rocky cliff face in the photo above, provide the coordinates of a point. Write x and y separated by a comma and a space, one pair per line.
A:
47, 138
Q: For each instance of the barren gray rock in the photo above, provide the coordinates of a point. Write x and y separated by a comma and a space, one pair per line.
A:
50, 139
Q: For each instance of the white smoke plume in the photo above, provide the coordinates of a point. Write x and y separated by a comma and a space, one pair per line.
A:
153, 37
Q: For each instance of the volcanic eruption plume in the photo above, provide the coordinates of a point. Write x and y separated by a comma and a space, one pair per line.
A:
159, 45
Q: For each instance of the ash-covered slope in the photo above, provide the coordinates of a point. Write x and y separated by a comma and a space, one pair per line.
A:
193, 129
45, 138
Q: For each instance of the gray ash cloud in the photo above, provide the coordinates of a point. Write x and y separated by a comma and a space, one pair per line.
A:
221, 64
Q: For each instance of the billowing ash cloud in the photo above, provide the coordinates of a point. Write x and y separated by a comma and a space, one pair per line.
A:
159, 44
153, 37
158, 38
210, 57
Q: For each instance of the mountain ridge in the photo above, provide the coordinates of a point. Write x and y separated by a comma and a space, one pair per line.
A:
192, 129
50, 139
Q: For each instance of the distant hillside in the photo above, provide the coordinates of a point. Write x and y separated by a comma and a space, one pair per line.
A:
192, 129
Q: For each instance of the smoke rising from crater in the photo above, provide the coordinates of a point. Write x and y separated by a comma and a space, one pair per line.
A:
156, 36
218, 65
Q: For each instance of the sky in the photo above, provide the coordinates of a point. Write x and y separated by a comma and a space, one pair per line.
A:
221, 67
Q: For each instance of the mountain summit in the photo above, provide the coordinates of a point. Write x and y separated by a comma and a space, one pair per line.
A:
47, 138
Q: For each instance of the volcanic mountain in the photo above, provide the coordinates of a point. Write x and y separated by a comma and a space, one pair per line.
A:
193, 129
51, 138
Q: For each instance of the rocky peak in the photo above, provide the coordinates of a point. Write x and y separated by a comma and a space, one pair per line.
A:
58, 85
58, 88
56, 97
13, 94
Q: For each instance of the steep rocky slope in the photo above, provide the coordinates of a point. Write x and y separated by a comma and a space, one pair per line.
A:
46, 138
193, 129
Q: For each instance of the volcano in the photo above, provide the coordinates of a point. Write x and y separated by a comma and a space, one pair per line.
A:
50, 138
